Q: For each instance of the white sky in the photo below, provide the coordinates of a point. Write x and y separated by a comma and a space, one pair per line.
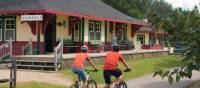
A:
186, 4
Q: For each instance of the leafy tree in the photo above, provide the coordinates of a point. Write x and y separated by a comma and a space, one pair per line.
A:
184, 25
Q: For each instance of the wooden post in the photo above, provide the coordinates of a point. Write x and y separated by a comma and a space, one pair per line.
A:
62, 47
55, 55
22, 50
38, 38
10, 48
31, 52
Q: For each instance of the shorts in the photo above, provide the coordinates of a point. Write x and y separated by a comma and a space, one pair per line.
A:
108, 73
80, 72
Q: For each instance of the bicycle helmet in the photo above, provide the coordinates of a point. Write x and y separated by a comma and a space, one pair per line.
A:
84, 48
115, 48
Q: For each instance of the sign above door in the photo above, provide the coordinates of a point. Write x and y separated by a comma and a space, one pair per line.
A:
31, 18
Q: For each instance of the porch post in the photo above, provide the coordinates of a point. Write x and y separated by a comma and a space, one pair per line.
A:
106, 27
38, 38
83, 30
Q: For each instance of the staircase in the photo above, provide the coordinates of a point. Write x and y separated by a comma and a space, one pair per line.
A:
42, 62
36, 62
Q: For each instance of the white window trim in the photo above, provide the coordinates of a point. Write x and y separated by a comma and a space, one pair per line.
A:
9, 29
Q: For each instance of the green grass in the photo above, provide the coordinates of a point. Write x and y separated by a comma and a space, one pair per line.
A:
33, 85
140, 67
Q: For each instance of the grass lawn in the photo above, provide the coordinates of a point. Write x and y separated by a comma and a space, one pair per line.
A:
140, 67
32, 85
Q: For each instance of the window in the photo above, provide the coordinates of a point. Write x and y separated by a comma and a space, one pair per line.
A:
76, 31
153, 40
121, 32
7, 28
9, 32
1, 29
141, 39
94, 31
160, 40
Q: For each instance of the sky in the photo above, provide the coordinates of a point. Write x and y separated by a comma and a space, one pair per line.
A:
185, 4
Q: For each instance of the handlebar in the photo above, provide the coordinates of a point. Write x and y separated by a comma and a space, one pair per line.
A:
127, 70
88, 71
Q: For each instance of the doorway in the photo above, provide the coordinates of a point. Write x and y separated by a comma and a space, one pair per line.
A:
50, 36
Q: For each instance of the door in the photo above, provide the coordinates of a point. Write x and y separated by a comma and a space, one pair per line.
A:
50, 36
76, 31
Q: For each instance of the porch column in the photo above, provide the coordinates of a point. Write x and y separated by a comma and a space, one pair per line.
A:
83, 29
38, 37
103, 29
157, 41
106, 28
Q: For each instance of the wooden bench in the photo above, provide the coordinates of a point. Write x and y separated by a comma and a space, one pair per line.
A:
69, 46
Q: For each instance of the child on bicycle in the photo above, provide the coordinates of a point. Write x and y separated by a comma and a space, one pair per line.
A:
110, 66
78, 64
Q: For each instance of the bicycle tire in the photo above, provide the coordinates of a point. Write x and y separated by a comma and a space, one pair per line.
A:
92, 84
123, 85
74, 85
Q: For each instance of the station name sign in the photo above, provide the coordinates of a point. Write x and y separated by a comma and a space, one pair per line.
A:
31, 17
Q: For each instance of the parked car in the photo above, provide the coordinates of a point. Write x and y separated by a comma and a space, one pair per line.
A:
180, 48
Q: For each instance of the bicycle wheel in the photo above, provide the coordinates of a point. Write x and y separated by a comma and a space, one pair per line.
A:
92, 84
74, 85
122, 85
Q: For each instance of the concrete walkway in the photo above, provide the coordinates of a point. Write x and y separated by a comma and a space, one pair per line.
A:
157, 82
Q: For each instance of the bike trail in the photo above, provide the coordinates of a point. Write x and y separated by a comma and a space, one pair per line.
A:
157, 82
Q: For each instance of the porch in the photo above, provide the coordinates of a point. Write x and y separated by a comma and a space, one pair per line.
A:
46, 62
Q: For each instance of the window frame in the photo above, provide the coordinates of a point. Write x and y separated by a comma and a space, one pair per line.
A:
123, 30
3, 18
77, 31
5, 29
97, 27
143, 39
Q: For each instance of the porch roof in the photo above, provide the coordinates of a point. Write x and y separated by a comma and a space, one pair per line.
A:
94, 9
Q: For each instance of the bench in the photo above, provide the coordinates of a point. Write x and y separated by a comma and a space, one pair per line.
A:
69, 45
96, 45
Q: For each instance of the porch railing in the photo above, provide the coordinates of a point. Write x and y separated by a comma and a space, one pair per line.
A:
58, 52
27, 49
6, 49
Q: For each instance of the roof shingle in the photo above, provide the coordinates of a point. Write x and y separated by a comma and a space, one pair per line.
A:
83, 7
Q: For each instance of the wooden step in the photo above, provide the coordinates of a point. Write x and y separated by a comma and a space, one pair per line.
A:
36, 63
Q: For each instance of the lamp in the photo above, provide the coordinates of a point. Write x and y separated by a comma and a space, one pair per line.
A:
63, 23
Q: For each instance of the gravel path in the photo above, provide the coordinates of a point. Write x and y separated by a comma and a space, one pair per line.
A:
157, 82
39, 76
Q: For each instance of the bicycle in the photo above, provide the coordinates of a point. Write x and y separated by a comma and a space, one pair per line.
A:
120, 83
91, 83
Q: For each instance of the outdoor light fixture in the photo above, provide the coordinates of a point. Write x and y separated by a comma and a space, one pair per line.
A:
63, 23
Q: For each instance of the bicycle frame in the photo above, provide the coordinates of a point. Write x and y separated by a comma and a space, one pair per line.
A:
78, 83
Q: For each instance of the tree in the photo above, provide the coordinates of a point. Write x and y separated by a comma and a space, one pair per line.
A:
184, 25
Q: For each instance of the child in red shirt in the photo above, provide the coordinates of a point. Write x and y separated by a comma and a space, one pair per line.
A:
110, 65
78, 64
